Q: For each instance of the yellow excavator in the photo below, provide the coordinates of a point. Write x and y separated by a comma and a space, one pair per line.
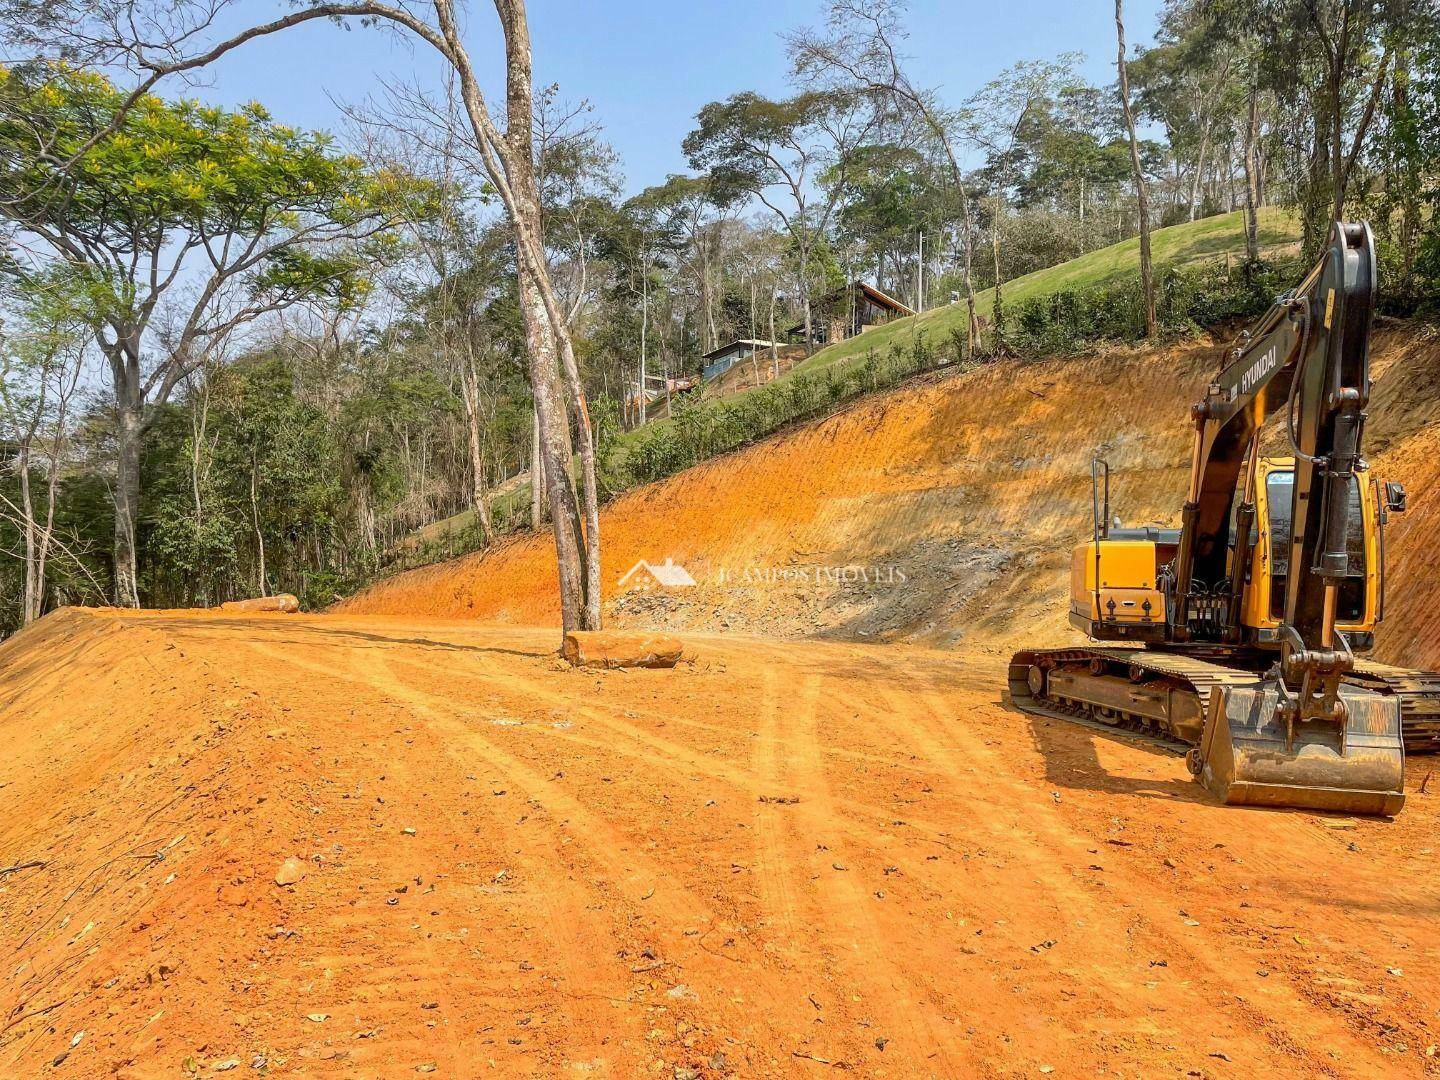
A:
1238, 633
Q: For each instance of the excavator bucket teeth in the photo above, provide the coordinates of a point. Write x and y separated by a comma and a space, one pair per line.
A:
1244, 757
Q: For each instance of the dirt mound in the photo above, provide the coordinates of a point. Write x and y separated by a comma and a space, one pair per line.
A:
941, 513
774, 859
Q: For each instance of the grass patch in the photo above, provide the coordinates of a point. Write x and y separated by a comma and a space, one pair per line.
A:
1179, 245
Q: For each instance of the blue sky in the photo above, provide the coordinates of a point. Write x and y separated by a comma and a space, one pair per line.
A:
648, 66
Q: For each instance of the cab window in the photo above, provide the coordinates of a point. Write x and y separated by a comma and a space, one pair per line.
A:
1280, 494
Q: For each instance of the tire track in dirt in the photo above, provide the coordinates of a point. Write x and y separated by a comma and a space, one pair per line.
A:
858, 965
1048, 844
589, 791
640, 745
687, 758
579, 831
551, 913
408, 989
772, 868
883, 1000
1029, 889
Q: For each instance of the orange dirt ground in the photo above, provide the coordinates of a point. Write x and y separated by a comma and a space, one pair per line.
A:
786, 857
781, 858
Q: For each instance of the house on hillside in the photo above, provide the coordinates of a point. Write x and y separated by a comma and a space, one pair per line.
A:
718, 361
849, 310
657, 390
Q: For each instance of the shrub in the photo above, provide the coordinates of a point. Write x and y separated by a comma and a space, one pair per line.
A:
1187, 298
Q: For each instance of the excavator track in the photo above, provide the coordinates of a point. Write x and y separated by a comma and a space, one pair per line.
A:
1162, 695
1158, 694
1419, 694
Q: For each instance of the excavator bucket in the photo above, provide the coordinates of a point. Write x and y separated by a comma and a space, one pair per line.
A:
1247, 758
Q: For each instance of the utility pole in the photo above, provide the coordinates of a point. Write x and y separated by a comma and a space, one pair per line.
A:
920, 272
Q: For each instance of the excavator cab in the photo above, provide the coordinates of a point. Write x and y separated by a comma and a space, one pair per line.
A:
1267, 562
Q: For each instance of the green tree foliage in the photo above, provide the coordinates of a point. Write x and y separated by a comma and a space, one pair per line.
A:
201, 217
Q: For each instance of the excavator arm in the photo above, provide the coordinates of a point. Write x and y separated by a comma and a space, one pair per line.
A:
1308, 361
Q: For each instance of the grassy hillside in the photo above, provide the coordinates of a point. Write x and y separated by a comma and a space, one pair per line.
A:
1210, 238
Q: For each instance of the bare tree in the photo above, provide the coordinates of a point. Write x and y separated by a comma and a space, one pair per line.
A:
422, 137
1147, 275
40, 372
506, 146
1252, 179
994, 117
861, 50
773, 150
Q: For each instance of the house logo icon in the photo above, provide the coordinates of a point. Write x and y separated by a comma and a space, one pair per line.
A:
668, 575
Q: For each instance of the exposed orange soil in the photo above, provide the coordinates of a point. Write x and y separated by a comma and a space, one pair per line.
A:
972, 486
783, 857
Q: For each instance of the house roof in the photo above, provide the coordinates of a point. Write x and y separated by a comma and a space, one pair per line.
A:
874, 295
750, 342
884, 299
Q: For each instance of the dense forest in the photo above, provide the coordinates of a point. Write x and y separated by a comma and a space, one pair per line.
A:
240, 358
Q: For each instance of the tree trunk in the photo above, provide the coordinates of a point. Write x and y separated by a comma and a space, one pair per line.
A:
589, 475
802, 280
1408, 183
510, 163
199, 419
479, 496
1252, 181
644, 335
555, 453
1147, 280
774, 345
972, 320
998, 311
52, 491
958, 178
537, 473
127, 504
1337, 133
710, 334
34, 572
260, 574
752, 307
1196, 181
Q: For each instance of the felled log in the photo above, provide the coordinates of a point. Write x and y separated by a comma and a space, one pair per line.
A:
617, 649
280, 602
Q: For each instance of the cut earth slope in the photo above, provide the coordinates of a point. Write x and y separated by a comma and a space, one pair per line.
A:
944, 512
